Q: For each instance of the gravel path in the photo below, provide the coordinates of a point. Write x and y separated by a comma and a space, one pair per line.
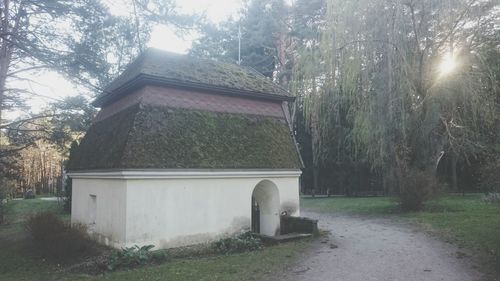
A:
372, 249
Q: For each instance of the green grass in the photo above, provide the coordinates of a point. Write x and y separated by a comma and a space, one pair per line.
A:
19, 262
464, 220
16, 264
356, 205
18, 210
246, 266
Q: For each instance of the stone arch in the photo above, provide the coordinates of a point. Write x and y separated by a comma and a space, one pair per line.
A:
266, 198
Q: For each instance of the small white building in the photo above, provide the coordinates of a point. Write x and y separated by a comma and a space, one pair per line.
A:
185, 151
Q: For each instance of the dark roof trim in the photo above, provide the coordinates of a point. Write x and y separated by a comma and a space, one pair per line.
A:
145, 79
179, 170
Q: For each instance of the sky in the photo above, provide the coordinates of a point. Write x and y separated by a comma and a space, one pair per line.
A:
164, 38
51, 86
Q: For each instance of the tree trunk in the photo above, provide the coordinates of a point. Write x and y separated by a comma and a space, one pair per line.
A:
315, 181
453, 164
5, 53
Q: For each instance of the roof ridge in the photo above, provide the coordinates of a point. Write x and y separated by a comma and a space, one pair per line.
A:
190, 70
267, 78
128, 69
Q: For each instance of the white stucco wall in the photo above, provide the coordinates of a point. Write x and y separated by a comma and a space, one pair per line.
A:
110, 208
170, 211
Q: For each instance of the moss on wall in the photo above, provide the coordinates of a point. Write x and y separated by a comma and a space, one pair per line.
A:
160, 137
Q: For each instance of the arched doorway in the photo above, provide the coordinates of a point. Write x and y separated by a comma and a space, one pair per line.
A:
265, 208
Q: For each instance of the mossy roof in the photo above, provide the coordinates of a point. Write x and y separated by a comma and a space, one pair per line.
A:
153, 137
159, 67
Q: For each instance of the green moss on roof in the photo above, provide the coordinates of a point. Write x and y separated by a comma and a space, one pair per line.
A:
194, 71
104, 142
144, 137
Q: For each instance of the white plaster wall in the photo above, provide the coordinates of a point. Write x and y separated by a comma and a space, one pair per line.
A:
172, 212
289, 195
110, 212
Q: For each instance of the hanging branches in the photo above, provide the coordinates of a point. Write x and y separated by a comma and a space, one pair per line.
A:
371, 87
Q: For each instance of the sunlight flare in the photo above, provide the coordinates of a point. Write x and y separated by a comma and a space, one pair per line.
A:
448, 64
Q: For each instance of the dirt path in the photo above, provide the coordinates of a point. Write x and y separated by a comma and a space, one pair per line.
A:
370, 249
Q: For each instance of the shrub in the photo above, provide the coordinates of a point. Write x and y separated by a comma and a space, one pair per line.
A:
416, 187
58, 239
30, 194
3, 204
7, 188
237, 244
134, 256
489, 175
68, 192
68, 182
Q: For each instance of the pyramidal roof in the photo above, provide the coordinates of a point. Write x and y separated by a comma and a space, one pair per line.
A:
154, 66
154, 135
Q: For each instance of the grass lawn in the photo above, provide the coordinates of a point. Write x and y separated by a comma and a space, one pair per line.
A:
246, 266
19, 209
19, 262
351, 205
464, 220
